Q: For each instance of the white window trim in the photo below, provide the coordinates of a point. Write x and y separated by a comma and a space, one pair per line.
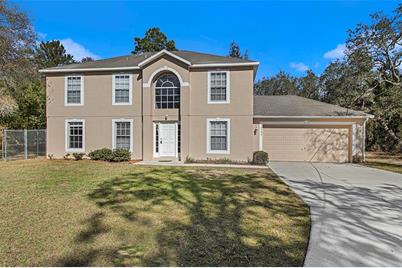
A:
209, 151
81, 91
66, 133
114, 121
130, 90
227, 88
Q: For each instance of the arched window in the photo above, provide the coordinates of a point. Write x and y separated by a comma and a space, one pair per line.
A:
167, 92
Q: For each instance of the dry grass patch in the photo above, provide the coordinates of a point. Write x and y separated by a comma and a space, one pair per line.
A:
70, 213
386, 161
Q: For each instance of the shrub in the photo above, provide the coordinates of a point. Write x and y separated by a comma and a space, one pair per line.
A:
104, 154
357, 159
260, 158
120, 155
66, 156
189, 160
78, 156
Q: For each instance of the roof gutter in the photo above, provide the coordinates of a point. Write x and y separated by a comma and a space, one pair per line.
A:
314, 116
89, 69
200, 65
138, 68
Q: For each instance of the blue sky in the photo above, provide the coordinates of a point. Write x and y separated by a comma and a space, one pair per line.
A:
282, 35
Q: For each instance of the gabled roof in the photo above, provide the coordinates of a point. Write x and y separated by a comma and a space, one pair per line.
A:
278, 106
132, 62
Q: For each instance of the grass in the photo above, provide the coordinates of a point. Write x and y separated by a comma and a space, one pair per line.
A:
386, 161
85, 213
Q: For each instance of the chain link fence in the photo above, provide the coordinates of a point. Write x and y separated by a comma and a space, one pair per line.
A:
23, 143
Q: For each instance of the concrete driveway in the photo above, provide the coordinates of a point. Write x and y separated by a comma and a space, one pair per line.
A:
356, 212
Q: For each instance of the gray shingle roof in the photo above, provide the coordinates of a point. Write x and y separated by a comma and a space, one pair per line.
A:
133, 60
289, 105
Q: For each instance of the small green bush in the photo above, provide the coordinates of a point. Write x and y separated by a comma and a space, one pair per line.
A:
66, 156
104, 154
260, 158
78, 156
120, 155
189, 160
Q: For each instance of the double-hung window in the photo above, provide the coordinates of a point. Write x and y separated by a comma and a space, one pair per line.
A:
75, 135
122, 89
218, 87
74, 90
123, 134
218, 135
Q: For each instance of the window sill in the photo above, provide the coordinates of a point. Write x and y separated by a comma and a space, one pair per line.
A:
218, 152
122, 104
73, 104
75, 151
218, 102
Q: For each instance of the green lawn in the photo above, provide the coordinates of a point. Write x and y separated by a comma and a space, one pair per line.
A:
74, 213
384, 160
385, 166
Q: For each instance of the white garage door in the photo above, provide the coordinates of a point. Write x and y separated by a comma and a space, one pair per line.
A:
306, 144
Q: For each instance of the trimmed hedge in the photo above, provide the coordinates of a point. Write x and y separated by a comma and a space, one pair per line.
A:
78, 156
106, 154
260, 158
121, 155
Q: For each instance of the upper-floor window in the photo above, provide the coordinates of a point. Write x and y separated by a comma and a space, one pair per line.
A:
74, 90
122, 89
218, 87
167, 92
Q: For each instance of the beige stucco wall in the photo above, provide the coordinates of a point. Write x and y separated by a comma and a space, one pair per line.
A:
98, 111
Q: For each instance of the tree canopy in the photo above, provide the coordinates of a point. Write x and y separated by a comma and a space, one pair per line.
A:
18, 40
51, 54
153, 41
234, 50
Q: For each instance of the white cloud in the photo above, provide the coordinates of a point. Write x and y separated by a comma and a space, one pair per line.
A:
336, 53
42, 36
299, 66
77, 50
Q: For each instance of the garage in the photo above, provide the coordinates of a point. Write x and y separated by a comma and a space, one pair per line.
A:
310, 144
293, 128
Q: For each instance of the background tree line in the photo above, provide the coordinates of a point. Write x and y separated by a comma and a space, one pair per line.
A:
368, 78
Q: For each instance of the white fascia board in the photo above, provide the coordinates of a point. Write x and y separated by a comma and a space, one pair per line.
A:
199, 65
312, 116
89, 69
160, 53
303, 123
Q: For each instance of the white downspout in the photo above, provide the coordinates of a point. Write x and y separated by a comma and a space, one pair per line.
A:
260, 129
364, 141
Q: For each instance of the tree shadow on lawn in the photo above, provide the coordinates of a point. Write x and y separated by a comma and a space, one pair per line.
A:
209, 218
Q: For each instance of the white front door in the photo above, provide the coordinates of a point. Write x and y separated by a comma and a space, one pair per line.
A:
167, 139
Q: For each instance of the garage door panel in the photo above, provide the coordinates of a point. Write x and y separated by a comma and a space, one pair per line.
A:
307, 144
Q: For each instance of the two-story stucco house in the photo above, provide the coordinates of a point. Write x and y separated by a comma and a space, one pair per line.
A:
173, 105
